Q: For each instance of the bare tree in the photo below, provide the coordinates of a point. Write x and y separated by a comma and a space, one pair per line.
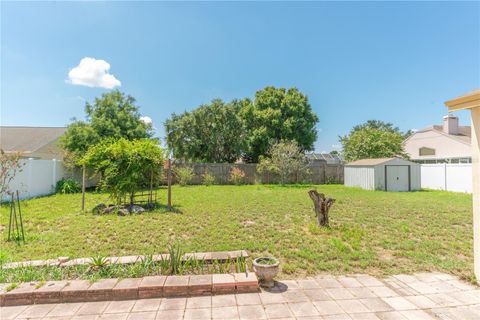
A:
10, 165
322, 206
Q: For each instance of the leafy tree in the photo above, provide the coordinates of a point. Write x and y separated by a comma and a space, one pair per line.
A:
114, 115
372, 143
125, 166
285, 159
381, 125
211, 133
278, 114
376, 124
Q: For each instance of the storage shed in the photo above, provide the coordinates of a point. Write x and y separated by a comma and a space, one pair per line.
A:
388, 174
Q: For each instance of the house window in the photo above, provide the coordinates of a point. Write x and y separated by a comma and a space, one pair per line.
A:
424, 151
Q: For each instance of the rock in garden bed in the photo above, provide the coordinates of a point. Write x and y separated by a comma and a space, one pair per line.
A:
121, 210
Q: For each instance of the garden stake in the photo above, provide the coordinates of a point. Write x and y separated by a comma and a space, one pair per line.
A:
16, 220
10, 221
20, 215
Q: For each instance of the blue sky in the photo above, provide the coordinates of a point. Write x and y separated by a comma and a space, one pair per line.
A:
392, 61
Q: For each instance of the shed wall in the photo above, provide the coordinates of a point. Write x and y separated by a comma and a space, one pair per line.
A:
363, 177
415, 174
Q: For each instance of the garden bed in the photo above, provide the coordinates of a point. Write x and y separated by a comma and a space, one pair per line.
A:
175, 263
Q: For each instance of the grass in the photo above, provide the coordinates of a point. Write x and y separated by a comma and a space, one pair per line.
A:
371, 231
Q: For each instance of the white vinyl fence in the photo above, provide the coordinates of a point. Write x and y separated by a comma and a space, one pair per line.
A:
37, 177
447, 176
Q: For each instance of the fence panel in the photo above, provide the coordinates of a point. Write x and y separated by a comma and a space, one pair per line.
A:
447, 176
319, 172
37, 177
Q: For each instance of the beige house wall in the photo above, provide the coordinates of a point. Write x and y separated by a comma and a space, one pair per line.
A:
445, 147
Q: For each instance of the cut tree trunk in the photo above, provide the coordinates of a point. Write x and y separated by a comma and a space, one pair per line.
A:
322, 206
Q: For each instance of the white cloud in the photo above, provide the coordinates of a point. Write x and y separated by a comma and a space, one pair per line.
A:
336, 146
91, 72
146, 120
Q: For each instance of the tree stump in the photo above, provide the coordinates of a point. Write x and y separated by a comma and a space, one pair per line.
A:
322, 206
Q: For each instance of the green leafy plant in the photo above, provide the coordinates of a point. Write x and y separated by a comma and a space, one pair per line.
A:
164, 265
125, 166
97, 263
237, 176
184, 175
287, 160
240, 264
208, 179
331, 180
67, 186
267, 261
176, 255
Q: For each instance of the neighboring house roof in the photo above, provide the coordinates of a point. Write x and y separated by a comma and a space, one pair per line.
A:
28, 139
464, 133
369, 162
324, 156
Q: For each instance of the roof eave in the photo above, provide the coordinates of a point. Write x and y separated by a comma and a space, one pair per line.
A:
468, 101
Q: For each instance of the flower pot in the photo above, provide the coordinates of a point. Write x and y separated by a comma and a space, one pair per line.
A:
266, 269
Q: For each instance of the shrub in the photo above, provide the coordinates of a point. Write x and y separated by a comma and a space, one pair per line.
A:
184, 175
287, 160
125, 166
208, 179
237, 176
331, 180
66, 186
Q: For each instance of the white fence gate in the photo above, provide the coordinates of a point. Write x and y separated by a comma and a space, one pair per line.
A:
447, 176
37, 177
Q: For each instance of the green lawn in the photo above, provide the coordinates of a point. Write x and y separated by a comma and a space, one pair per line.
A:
371, 232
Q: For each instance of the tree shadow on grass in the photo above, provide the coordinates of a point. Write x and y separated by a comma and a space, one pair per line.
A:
163, 208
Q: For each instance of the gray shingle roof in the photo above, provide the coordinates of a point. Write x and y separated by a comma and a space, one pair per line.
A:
28, 139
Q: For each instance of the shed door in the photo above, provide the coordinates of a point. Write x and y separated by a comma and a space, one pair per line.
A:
397, 178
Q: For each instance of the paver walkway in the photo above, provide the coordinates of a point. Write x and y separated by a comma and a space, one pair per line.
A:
419, 296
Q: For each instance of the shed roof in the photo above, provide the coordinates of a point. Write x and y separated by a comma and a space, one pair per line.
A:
28, 139
369, 162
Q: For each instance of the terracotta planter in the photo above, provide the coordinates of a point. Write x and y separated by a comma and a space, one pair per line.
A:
266, 269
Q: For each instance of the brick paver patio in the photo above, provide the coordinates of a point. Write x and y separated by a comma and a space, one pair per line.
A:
419, 296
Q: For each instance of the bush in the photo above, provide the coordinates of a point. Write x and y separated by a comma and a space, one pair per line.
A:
184, 175
125, 166
237, 176
208, 179
65, 186
287, 160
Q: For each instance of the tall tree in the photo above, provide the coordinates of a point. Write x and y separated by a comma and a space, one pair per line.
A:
113, 115
211, 133
376, 124
372, 143
278, 114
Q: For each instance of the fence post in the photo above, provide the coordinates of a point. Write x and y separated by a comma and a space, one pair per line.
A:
30, 176
83, 188
445, 176
54, 173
